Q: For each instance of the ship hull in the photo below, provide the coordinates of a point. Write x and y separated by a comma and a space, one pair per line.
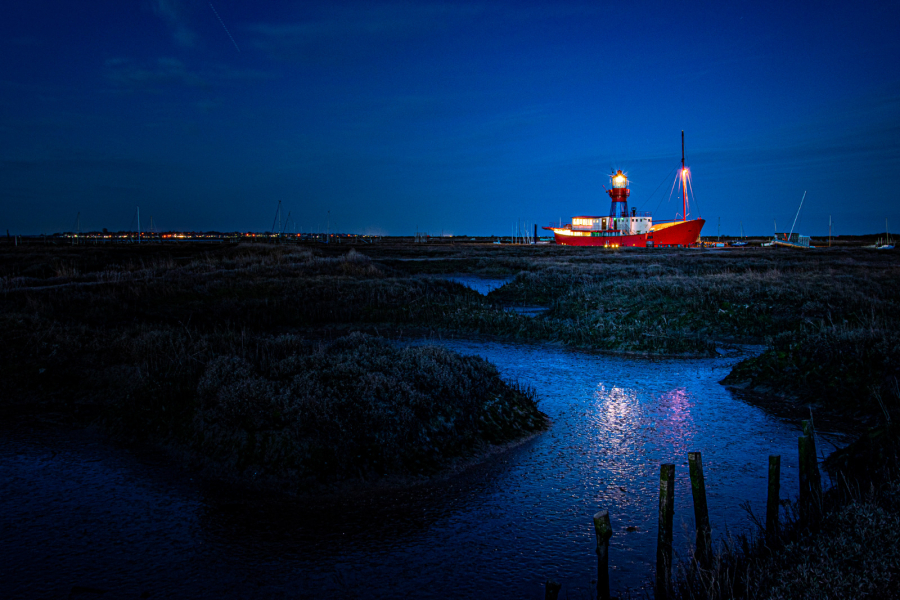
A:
663, 235
676, 233
616, 241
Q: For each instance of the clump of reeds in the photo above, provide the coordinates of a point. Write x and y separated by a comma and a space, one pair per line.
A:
853, 551
847, 547
354, 407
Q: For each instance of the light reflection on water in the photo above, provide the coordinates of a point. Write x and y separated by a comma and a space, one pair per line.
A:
85, 514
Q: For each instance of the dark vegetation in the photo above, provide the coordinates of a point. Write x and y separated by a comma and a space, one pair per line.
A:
829, 321
850, 550
845, 545
828, 318
849, 370
244, 360
250, 359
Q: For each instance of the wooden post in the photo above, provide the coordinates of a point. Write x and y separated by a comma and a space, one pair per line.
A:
815, 478
804, 447
772, 502
603, 529
664, 535
701, 512
551, 590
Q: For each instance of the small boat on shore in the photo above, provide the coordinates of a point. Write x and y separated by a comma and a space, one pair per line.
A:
792, 240
743, 240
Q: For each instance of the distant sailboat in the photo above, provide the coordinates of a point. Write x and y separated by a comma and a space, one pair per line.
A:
887, 244
743, 242
793, 240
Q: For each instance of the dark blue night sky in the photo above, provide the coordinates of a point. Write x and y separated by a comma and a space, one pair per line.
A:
456, 117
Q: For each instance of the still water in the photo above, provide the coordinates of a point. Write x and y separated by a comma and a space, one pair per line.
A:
482, 285
486, 285
79, 516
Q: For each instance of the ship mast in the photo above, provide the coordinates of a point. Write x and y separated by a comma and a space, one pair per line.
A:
683, 182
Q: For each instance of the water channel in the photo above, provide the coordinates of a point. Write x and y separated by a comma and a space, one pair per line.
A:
482, 285
485, 285
79, 514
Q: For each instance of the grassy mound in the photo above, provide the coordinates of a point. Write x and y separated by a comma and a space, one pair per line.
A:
281, 411
856, 556
842, 369
355, 407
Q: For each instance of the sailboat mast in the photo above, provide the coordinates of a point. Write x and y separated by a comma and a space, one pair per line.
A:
683, 181
798, 213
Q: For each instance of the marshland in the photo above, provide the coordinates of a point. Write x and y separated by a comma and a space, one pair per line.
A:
356, 420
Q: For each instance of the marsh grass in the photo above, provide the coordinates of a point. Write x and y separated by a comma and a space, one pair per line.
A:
280, 411
649, 303
850, 550
226, 355
220, 355
746, 298
841, 368
277, 287
356, 406
829, 319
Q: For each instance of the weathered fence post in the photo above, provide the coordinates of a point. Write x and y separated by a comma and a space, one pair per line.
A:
664, 535
772, 502
701, 512
815, 478
603, 530
551, 590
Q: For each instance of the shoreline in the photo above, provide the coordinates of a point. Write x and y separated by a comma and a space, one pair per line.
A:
182, 465
793, 409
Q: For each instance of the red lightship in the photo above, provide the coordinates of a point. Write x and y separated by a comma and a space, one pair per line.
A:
635, 229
